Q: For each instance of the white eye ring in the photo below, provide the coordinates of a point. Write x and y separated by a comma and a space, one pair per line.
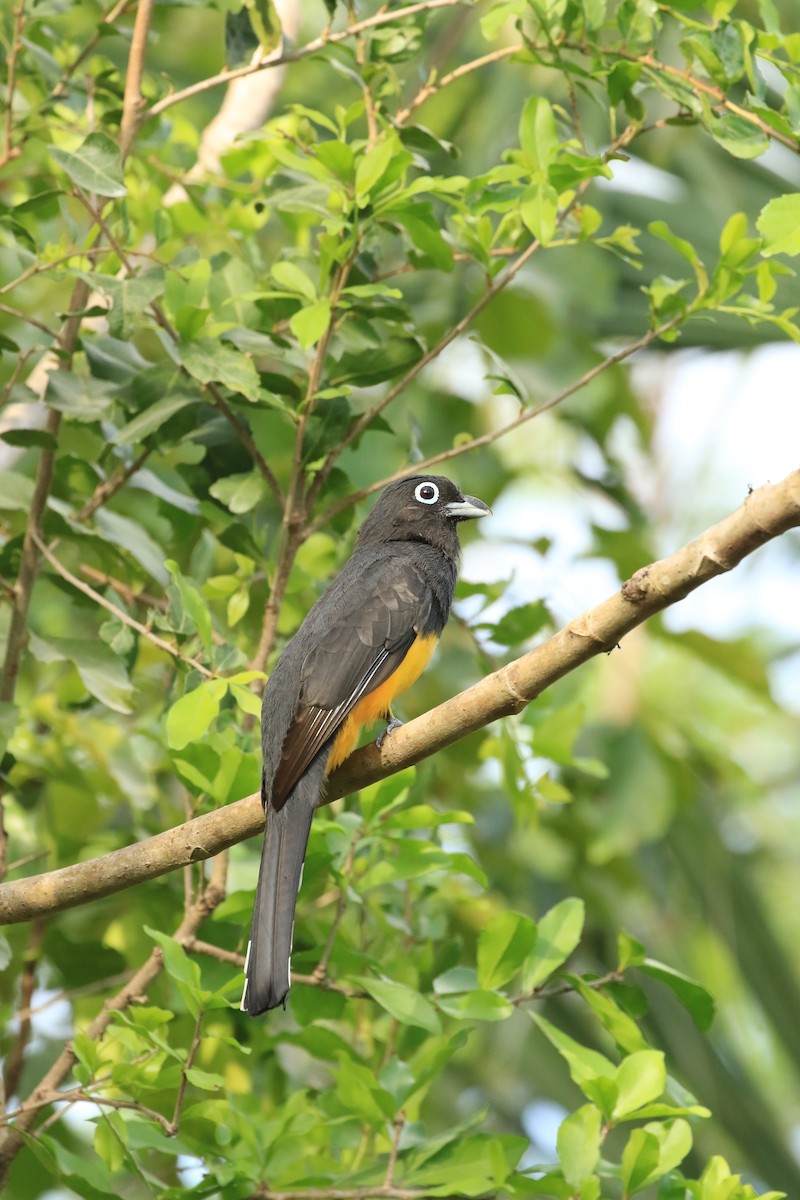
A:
426, 487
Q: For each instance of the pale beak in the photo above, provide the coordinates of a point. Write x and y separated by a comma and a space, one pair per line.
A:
467, 509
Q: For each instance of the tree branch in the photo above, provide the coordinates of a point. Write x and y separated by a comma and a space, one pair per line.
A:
15, 1058
119, 613
765, 514
133, 104
493, 435
497, 284
328, 39
10, 151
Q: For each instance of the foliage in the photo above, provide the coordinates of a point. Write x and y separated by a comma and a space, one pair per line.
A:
236, 363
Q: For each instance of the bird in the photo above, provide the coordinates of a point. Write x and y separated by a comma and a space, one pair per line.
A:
366, 640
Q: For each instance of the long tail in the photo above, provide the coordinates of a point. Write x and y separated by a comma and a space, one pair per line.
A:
267, 969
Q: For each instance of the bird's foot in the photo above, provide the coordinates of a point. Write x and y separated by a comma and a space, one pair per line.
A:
390, 728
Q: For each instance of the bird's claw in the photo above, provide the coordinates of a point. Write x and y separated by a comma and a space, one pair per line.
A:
395, 723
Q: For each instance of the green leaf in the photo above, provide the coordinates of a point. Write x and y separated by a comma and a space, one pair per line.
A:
739, 136
291, 277
558, 933
693, 996
310, 323
578, 1143
359, 1092
189, 718
498, 14
192, 604
110, 1140
95, 166
208, 1081
503, 946
373, 166
779, 225
16, 491
151, 419
102, 672
129, 297
641, 1077
238, 605
404, 1003
653, 1151
210, 361
539, 209
519, 624
239, 493
246, 700
538, 135
29, 437
471, 1164
81, 397
177, 963
586, 1067
475, 1005
630, 953
265, 22
639, 1161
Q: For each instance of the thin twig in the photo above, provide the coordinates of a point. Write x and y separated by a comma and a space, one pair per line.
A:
109, 18
432, 87
15, 1058
110, 486
38, 268
321, 969
88, 989
123, 590
710, 89
243, 433
134, 104
546, 993
21, 316
193, 945
398, 1126
330, 39
18, 23
173, 1127
119, 613
19, 863
486, 439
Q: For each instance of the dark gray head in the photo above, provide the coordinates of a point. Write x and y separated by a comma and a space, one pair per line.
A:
421, 508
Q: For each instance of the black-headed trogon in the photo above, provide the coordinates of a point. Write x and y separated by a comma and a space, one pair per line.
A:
365, 641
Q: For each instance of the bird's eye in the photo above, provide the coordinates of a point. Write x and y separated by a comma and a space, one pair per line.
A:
426, 493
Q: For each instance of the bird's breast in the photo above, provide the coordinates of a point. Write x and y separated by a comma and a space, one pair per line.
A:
378, 703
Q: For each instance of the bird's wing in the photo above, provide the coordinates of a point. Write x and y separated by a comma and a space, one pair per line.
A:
370, 622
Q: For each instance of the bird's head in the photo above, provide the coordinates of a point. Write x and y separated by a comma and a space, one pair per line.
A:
421, 508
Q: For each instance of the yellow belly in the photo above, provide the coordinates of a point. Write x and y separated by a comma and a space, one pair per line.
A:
378, 703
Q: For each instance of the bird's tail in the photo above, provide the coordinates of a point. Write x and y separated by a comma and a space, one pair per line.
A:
267, 969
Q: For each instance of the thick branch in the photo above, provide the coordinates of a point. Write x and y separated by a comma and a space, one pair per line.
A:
134, 102
766, 513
